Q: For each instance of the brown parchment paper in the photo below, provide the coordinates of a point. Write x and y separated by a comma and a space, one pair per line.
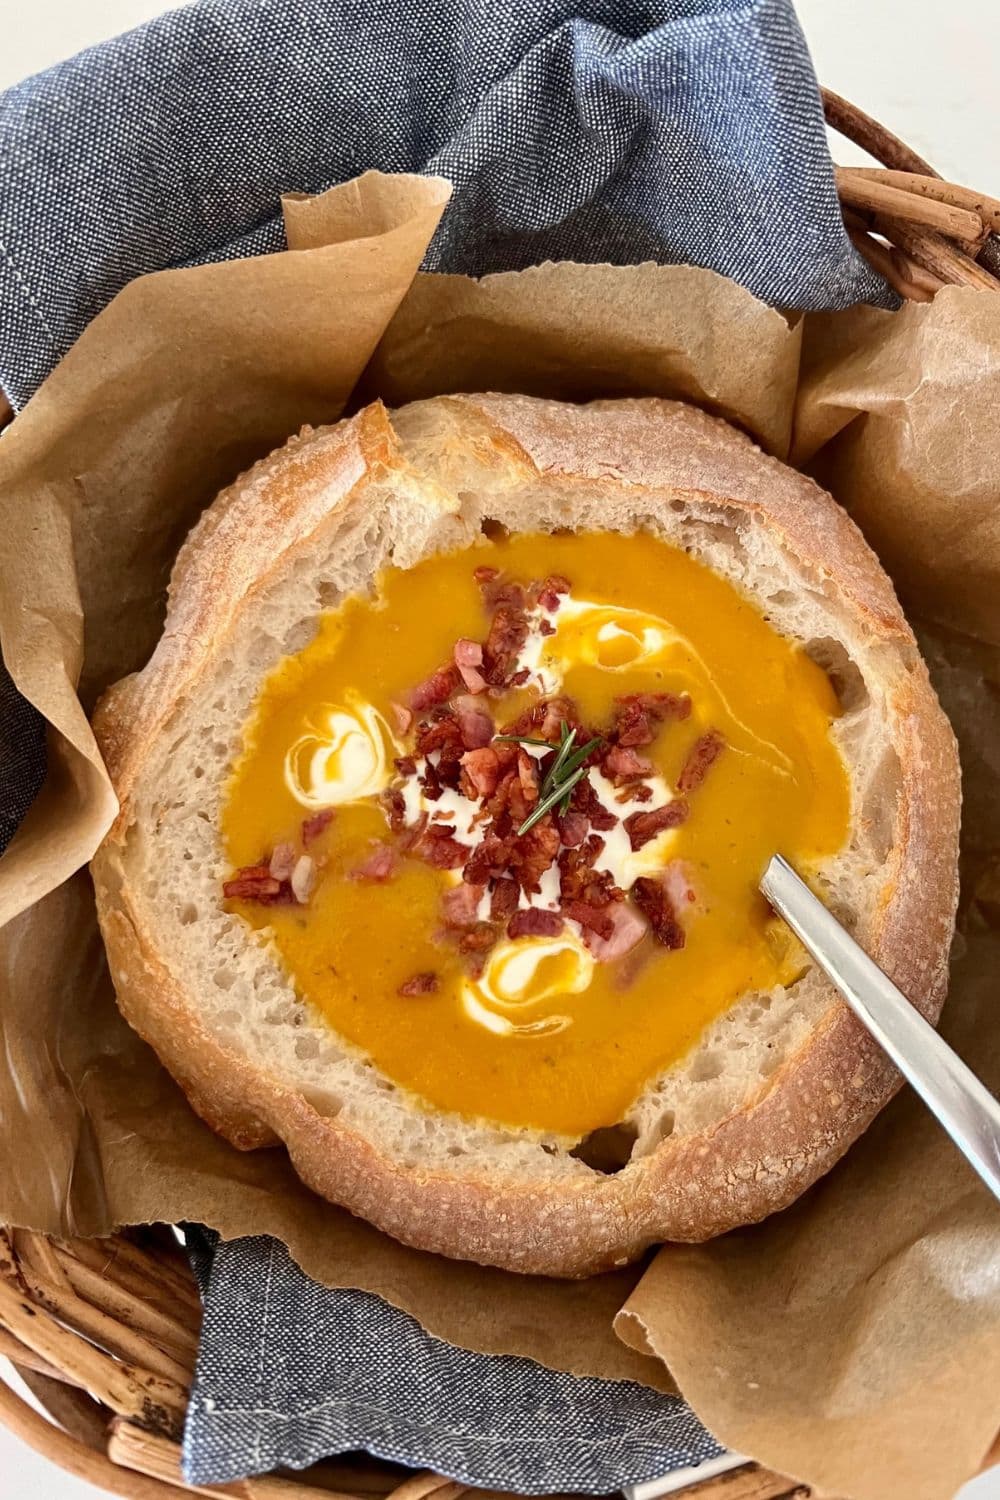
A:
854, 1341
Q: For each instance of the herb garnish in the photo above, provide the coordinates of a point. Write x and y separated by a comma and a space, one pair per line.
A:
562, 775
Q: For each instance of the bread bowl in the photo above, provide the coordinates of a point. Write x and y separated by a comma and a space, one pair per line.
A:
535, 1150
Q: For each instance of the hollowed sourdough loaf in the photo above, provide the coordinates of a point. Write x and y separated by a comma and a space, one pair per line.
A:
778, 1088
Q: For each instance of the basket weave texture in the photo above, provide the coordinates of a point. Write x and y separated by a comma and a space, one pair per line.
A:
104, 1333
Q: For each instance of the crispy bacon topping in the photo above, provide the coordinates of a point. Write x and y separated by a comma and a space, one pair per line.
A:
548, 594
282, 861
475, 726
651, 898
440, 848
508, 633
252, 883
312, 827
573, 828
628, 929
704, 753
378, 866
621, 763
468, 660
503, 899
586, 801
437, 688
456, 746
527, 775
638, 715
597, 919
482, 772
425, 983
394, 804
643, 826
460, 905
533, 921
478, 939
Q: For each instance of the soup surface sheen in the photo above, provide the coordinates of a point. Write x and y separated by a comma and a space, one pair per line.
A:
547, 1038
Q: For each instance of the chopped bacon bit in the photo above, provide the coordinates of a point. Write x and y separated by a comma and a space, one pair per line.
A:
437, 688
531, 855
508, 633
579, 881
545, 628
303, 878
312, 827
402, 718
378, 866
527, 775
534, 922
282, 861
485, 575
468, 658
395, 808
468, 653
628, 929
643, 826
548, 594
482, 768
425, 983
503, 899
439, 847
430, 782
520, 677
676, 883
558, 711
704, 753
476, 728
460, 904
443, 734
638, 713
641, 792
405, 765
585, 800
499, 591
573, 828
480, 863
252, 883
408, 837
478, 939
652, 900
621, 762
597, 919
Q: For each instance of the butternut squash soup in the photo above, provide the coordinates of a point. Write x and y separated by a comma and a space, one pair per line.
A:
503, 819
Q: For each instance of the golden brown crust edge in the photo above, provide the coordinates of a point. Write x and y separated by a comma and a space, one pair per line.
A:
747, 1166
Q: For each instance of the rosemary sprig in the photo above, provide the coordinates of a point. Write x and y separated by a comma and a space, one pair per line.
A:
556, 795
520, 739
562, 775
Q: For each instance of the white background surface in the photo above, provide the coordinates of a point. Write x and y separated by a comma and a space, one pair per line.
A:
927, 71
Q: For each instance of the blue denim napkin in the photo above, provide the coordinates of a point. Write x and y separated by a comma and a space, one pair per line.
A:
602, 130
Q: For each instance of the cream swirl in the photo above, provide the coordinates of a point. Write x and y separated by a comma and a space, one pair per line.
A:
523, 972
344, 756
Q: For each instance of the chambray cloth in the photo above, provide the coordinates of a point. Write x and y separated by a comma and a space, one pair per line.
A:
600, 130
289, 1372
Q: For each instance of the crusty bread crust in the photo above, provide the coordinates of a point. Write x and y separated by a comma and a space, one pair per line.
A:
734, 1170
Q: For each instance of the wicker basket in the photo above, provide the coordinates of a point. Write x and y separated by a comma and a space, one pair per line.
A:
104, 1332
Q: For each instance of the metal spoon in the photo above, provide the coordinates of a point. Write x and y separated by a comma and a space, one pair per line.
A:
952, 1091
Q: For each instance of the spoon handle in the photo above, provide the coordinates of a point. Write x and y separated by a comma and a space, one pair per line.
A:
965, 1108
